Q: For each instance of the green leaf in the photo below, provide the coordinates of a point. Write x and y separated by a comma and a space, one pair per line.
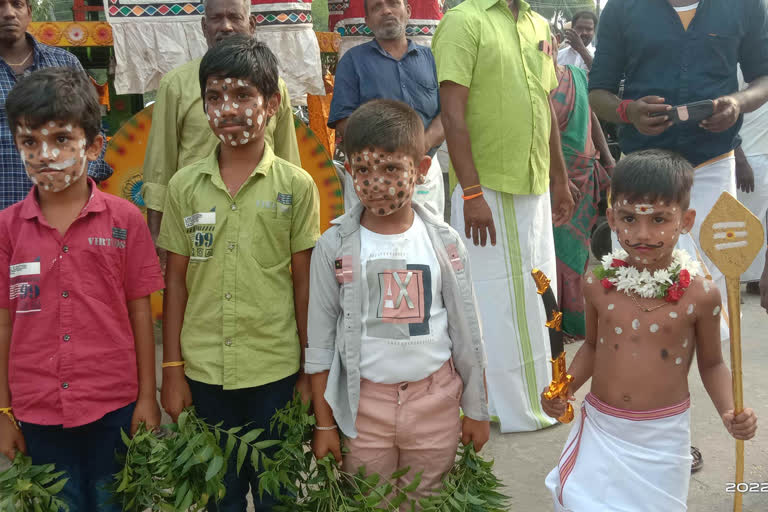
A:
252, 435
214, 467
242, 451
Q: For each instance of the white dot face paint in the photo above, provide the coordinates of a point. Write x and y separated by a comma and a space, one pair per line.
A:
590, 280
654, 328
716, 311
610, 307
618, 330
382, 188
643, 208
239, 108
706, 286
672, 314
636, 324
54, 156
602, 340
690, 309
678, 360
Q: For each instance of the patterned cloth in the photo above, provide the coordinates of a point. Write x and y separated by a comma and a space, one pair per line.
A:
571, 105
14, 183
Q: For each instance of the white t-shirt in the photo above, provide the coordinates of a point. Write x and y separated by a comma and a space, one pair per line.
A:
405, 324
754, 131
568, 55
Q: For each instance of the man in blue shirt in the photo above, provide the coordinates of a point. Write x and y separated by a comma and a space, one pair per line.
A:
20, 54
391, 67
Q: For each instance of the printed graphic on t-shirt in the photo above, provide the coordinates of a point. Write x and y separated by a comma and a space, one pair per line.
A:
25, 286
399, 299
201, 227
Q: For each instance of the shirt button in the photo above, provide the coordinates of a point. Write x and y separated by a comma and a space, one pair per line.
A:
404, 386
66, 337
65, 385
233, 206
65, 294
227, 295
65, 248
228, 342
231, 246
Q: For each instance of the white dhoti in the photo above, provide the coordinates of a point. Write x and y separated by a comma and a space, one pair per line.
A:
430, 194
512, 313
624, 461
757, 202
709, 181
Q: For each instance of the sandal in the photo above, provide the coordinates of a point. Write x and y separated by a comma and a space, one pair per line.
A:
698, 460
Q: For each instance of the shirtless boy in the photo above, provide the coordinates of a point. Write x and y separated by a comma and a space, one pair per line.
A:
648, 311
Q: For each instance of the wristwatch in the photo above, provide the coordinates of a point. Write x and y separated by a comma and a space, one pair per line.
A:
621, 110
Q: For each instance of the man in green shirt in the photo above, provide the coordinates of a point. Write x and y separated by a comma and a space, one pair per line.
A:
239, 228
180, 134
494, 65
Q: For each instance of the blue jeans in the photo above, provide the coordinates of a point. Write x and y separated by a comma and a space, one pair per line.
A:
253, 407
86, 453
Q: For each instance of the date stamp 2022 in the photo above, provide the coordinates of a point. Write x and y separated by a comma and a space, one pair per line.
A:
746, 487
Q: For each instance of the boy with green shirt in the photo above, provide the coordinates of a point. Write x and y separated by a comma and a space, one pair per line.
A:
239, 238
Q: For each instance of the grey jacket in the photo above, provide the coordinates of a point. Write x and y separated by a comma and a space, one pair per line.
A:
335, 315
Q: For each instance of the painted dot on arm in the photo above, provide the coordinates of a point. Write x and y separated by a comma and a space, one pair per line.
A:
716, 311
618, 330
690, 309
678, 360
654, 327
685, 342
672, 314
589, 279
610, 307
635, 324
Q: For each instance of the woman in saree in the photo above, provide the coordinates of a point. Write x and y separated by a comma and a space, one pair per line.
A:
589, 163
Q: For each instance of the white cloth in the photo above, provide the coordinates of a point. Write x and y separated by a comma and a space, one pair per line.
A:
757, 203
512, 313
568, 55
624, 461
754, 131
148, 47
405, 324
431, 194
709, 181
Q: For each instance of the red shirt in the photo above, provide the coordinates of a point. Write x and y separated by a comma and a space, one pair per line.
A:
72, 355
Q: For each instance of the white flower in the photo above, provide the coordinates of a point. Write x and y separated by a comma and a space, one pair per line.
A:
632, 280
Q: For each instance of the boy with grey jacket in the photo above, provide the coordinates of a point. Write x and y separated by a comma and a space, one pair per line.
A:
394, 344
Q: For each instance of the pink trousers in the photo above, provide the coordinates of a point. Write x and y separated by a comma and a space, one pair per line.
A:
414, 424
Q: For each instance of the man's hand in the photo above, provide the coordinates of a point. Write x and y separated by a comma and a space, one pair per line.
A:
556, 407
11, 438
146, 411
476, 432
574, 39
742, 426
304, 387
639, 113
745, 176
325, 442
562, 203
477, 219
726, 113
175, 395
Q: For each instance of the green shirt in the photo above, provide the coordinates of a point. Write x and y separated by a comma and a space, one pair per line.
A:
480, 45
180, 134
239, 325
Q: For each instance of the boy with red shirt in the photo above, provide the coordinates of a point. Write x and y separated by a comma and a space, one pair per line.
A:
77, 352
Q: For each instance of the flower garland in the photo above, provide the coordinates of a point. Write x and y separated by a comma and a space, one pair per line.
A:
669, 283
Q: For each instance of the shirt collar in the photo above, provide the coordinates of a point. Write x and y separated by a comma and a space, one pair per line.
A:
37, 48
487, 4
411, 48
263, 167
30, 207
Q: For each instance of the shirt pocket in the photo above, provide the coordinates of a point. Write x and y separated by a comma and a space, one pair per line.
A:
102, 267
271, 239
719, 51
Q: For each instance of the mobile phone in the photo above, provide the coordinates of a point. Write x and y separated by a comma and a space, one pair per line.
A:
689, 113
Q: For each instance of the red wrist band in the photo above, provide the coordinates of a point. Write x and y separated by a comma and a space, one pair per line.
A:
621, 110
